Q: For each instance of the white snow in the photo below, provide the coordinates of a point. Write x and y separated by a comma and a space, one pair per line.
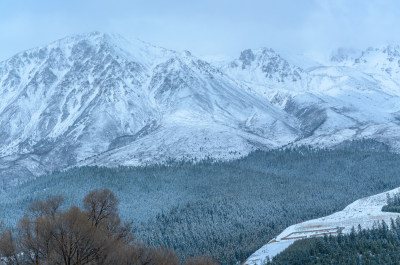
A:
364, 212
79, 96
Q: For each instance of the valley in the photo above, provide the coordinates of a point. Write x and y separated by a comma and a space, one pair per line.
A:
209, 159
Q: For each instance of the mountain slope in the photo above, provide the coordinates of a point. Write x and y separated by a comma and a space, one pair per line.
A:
264, 70
352, 98
97, 98
66, 101
214, 117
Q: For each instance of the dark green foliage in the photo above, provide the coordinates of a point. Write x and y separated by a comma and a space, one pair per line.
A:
379, 245
225, 210
393, 204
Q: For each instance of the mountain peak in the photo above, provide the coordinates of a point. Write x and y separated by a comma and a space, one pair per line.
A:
247, 56
264, 63
94, 37
343, 54
390, 50
112, 43
385, 59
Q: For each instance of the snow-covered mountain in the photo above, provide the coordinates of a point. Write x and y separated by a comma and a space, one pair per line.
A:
353, 97
264, 69
99, 99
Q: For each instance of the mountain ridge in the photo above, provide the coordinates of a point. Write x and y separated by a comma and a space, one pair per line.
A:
99, 99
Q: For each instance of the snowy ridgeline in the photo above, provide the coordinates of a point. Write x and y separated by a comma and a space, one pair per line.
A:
365, 212
99, 99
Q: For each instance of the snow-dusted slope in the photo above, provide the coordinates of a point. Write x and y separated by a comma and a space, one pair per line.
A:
100, 99
64, 102
355, 96
264, 70
203, 114
364, 212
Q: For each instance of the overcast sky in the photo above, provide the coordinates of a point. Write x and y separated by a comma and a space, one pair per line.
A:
205, 27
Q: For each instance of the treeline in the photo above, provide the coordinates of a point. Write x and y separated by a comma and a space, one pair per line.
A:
392, 203
225, 210
379, 245
93, 235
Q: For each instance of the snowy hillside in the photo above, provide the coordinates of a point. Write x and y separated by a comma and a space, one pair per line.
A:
364, 212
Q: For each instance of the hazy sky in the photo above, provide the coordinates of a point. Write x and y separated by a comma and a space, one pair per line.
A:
205, 27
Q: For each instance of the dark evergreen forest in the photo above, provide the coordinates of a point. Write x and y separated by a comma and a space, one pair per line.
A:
392, 203
225, 210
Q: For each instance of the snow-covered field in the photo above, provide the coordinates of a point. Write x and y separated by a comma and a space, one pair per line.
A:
364, 212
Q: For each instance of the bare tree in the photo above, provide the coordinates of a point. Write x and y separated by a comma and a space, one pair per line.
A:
47, 207
163, 256
154, 256
29, 241
93, 236
100, 205
75, 240
8, 248
36, 229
